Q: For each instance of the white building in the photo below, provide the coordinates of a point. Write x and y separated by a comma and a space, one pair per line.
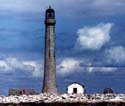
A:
76, 88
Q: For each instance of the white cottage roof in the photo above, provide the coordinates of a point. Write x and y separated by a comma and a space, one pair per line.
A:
77, 84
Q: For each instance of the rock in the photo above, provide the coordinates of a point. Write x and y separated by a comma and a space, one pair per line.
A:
70, 98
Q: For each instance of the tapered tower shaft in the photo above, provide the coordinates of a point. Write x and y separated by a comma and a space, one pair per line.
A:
49, 84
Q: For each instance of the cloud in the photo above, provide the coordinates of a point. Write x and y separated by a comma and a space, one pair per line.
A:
22, 5
70, 66
108, 3
13, 65
116, 54
88, 8
74, 8
34, 68
38, 68
93, 37
4, 67
101, 69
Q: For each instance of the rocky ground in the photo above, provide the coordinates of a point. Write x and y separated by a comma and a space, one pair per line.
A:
63, 98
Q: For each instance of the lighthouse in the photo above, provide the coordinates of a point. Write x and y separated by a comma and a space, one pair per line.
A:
49, 82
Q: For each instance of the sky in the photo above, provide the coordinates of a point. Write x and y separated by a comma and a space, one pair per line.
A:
93, 53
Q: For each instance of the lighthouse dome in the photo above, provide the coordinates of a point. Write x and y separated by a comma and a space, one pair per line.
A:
50, 13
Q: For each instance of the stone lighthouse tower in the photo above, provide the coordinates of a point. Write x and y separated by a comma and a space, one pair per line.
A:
49, 84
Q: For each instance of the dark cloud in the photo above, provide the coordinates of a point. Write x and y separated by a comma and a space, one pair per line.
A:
81, 8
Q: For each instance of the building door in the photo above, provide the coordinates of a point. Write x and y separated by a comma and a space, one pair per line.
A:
74, 90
